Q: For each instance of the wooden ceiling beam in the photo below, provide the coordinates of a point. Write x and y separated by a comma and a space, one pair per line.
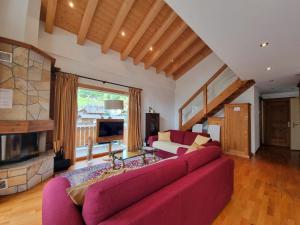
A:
191, 52
154, 10
166, 44
190, 64
86, 20
50, 15
167, 23
120, 18
176, 52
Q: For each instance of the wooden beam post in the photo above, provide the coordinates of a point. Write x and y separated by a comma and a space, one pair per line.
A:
86, 20
191, 51
50, 15
176, 52
120, 18
166, 44
190, 64
167, 23
155, 9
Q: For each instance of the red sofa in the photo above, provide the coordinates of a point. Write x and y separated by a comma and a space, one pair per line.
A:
191, 189
183, 139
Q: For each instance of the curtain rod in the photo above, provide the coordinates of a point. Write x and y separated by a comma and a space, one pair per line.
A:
103, 81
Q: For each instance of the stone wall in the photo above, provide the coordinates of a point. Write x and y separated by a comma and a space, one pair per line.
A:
25, 175
29, 77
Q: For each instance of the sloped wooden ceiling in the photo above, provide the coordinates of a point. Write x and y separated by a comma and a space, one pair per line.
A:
149, 31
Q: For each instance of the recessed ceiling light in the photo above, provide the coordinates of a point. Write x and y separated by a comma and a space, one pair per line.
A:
71, 4
269, 68
264, 44
123, 33
151, 49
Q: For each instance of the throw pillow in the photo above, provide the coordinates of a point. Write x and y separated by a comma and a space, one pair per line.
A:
194, 147
164, 136
201, 140
77, 192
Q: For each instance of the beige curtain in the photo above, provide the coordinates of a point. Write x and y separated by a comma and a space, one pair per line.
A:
134, 120
65, 113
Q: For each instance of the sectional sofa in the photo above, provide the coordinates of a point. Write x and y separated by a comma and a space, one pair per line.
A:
188, 190
179, 144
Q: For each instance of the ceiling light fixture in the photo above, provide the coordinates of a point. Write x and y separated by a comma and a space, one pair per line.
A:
269, 68
71, 4
151, 49
264, 44
123, 33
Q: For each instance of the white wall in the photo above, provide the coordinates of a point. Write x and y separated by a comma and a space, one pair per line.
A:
289, 94
87, 60
19, 20
188, 84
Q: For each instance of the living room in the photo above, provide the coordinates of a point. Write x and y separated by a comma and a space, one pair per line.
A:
124, 112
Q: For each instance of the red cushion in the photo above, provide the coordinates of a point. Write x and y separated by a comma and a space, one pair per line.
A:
108, 197
177, 136
189, 137
199, 158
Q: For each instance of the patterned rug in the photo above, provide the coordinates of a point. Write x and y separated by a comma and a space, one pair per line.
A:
84, 174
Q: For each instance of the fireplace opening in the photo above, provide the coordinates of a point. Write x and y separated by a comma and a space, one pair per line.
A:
20, 147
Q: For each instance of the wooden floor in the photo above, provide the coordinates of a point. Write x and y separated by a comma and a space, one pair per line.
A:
267, 191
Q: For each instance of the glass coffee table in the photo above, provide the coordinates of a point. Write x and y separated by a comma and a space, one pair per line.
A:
123, 155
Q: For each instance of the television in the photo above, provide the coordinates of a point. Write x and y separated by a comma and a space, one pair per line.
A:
109, 130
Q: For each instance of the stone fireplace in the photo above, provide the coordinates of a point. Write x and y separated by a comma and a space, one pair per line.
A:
25, 125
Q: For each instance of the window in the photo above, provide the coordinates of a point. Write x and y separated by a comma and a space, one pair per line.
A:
90, 108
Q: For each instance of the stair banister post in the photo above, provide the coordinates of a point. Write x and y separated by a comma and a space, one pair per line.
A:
180, 118
205, 99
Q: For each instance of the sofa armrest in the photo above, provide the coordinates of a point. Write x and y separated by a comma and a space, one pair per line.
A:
58, 208
151, 139
212, 143
181, 151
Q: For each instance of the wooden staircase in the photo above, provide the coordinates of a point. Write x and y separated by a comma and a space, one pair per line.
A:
234, 88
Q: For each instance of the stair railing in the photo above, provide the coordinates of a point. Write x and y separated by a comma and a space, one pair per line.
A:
222, 84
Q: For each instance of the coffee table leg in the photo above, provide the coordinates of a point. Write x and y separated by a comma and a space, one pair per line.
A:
144, 158
113, 161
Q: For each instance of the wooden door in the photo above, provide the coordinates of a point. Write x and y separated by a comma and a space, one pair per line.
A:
295, 123
237, 129
277, 120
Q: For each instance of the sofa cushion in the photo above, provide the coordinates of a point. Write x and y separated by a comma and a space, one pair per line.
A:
201, 140
189, 137
197, 159
171, 147
164, 136
177, 136
108, 197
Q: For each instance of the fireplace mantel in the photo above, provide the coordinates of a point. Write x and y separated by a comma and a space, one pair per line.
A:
25, 126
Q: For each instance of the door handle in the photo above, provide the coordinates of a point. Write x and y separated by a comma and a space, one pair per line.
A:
296, 124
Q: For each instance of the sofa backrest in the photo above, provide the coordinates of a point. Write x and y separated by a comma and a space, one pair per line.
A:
189, 137
201, 157
177, 136
185, 137
104, 199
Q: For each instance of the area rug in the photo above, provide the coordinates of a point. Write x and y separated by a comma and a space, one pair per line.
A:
81, 175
